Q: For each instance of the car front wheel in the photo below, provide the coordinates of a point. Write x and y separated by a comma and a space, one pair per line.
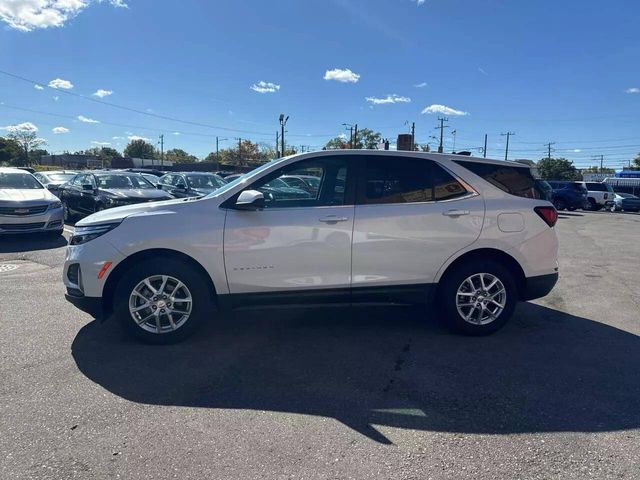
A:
478, 298
162, 301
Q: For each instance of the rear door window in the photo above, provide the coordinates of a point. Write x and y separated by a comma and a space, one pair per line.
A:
406, 180
518, 181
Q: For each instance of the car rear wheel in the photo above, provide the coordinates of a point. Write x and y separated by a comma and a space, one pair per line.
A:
162, 301
560, 204
478, 298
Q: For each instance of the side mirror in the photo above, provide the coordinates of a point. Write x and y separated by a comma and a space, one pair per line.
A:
250, 200
52, 187
87, 186
159, 186
181, 186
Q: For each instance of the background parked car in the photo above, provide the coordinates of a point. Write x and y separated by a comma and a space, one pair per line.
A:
625, 202
152, 178
599, 195
568, 195
53, 180
26, 205
91, 192
194, 184
308, 183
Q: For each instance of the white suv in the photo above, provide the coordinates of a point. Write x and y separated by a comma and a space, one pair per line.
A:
470, 235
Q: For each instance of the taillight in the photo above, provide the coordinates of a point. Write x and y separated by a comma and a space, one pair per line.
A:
548, 214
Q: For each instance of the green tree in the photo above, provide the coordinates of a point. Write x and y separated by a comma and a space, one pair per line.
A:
177, 155
247, 153
140, 149
636, 161
27, 138
558, 169
36, 154
597, 169
366, 138
10, 151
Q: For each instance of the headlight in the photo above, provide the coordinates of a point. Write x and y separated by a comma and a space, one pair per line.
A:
54, 205
116, 202
85, 234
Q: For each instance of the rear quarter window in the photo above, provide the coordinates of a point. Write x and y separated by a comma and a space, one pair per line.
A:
518, 181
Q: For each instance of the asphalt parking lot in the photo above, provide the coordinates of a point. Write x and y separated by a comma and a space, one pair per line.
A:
350, 393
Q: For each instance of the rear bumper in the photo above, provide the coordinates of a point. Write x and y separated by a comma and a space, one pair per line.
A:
90, 305
539, 286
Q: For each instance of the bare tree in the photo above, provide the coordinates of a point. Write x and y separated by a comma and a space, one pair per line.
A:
25, 135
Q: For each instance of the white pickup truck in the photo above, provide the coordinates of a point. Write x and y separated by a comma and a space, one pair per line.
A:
599, 195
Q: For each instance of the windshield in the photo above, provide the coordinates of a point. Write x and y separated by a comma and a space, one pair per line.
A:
59, 177
19, 181
245, 178
205, 181
123, 182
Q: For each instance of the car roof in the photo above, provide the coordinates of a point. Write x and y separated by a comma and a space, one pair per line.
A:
13, 170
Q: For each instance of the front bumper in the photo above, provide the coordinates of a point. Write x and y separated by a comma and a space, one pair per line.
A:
49, 221
90, 305
539, 286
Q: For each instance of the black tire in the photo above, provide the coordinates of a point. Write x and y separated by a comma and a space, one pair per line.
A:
593, 206
202, 306
448, 290
560, 204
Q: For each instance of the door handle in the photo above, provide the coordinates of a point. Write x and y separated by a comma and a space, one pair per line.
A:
333, 219
456, 213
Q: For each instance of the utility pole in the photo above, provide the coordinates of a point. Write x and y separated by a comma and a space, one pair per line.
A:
277, 144
239, 151
454, 133
283, 122
355, 136
162, 150
413, 136
442, 127
548, 145
350, 127
601, 157
484, 151
506, 151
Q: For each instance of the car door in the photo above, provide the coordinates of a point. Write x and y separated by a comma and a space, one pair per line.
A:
72, 191
411, 215
87, 201
294, 244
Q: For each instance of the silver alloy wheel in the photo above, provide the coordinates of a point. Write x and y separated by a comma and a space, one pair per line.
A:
160, 304
481, 298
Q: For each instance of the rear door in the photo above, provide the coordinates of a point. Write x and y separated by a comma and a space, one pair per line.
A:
411, 216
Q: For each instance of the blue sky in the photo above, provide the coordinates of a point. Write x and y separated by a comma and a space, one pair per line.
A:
548, 70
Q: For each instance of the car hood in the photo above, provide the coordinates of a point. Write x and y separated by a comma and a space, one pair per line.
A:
143, 193
113, 215
34, 195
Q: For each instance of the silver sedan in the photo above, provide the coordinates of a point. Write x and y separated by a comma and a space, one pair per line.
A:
26, 206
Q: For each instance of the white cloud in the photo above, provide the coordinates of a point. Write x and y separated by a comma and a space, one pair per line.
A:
265, 87
28, 15
56, 98
633, 90
84, 119
419, 2
58, 130
482, 71
393, 98
421, 85
340, 75
117, 138
133, 138
60, 83
102, 93
38, 87
577, 150
101, 144
21, 127
176, 133
443, 109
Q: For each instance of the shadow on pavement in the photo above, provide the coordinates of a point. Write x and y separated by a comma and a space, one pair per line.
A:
547, 371
30, 242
